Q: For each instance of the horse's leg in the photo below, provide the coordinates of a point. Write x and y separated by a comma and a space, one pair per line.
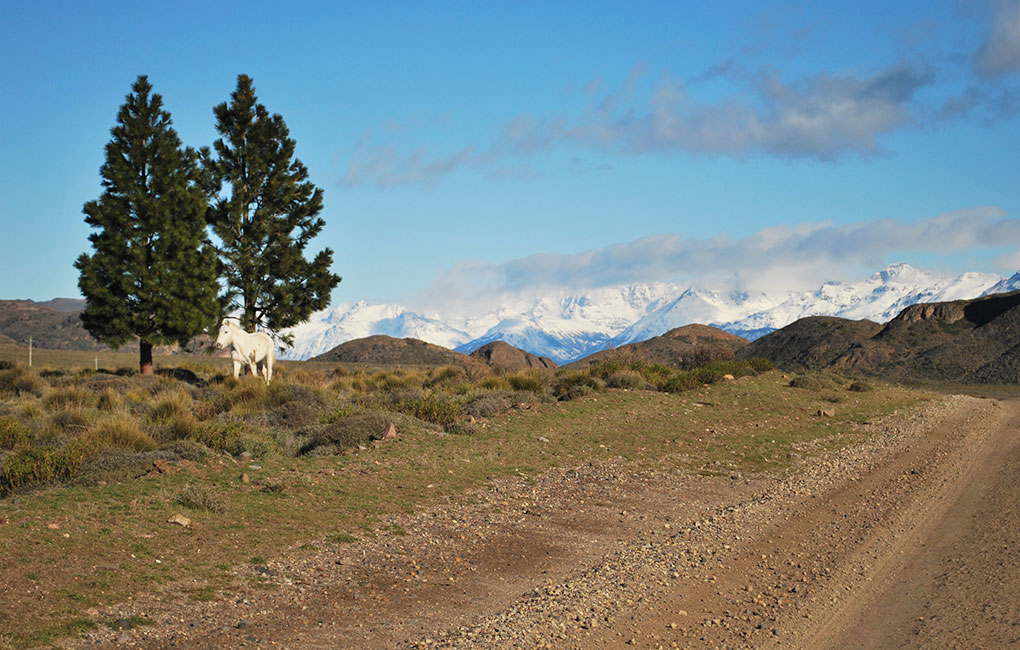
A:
237, 368
270, 358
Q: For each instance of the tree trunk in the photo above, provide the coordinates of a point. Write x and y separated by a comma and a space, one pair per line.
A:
145, 357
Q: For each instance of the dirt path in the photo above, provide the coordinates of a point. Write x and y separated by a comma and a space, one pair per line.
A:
907, 541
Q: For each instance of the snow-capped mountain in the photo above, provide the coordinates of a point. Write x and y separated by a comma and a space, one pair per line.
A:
565, 326
348, 321
879, 298
1011, 283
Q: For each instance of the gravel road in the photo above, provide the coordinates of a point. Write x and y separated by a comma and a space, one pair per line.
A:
908, 540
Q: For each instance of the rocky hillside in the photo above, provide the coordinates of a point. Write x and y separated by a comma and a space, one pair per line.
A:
505, 357
970, 341
810, 343
48, 327
684, 347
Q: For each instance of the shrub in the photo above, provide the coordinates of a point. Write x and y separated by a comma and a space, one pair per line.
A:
235, 438
201, 498
760, 365
862, 386
681, 382
431, 408
345, 410
572, 385
110, 400
12, 433
20, 381
495, 383
816, 381
69, 397
70, 421
45, 464
655, 374
122, 432
446, 375
186, 449
486, 405
462, 429
606, 369
525, 382
625, 378
171, 406
576, 391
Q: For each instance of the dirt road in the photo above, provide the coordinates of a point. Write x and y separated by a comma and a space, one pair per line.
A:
910, 540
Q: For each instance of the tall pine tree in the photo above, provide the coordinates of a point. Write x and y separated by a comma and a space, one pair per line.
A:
268, 217
152, 273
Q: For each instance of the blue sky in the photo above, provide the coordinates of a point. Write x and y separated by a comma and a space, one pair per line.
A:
471, 147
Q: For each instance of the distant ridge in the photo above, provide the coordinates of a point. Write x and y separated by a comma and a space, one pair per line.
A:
684, 347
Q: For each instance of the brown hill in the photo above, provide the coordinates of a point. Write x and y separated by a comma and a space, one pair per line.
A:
810, 343
970, 341
503, 356
48, 327
386, 350
685, 347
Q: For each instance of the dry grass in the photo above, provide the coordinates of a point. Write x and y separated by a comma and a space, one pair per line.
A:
129, 421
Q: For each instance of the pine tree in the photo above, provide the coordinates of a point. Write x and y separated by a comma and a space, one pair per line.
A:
268, 218
152, 273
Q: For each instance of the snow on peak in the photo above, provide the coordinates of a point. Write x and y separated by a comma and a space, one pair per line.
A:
565, 326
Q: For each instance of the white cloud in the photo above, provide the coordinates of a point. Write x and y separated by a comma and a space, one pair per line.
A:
824, 116
777, 258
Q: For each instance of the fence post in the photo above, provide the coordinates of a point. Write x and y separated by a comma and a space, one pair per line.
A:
30, 352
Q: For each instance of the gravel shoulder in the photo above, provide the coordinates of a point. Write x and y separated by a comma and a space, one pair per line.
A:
906, 540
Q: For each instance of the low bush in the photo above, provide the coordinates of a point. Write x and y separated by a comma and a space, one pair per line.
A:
12, 433
625, 378
45, 463
760, 365
122, 432
235, 438
70, 397
861, 386
528, 382
201, 498
571, 385
446, 375
486, 405
681, 382
817, 381
434, 408
19, 381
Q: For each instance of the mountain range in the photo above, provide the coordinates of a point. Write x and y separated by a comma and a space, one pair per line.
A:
566, 326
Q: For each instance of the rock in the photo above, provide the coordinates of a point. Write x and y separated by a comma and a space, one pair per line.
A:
180, 520
543, 439
246, 455
245, 478
826, 413
53, 526
161, 466
728, 377
92, 612
390, 433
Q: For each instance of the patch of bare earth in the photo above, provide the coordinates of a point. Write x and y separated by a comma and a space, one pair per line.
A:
909, 539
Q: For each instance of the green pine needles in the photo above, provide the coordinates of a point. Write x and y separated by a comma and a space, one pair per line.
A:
155, 272
268, 218
152, 273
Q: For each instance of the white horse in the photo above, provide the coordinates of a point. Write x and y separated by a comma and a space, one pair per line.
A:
254, 350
